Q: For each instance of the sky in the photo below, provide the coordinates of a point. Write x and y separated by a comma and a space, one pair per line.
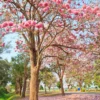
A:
10, 38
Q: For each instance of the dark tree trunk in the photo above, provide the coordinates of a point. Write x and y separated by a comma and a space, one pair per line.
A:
20, 86
80, 85
24, 87
62, 89
16, 87
49, 88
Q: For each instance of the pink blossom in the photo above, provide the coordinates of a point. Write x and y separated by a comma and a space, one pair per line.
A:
74, 11
96, 34
57, 1
0, 26
19, 27
45, 9
66, 6
0, 13
7, 29
10, 23
22, 16
98, 14
41, 4
9, 0
13, 29
5, 24
39, 25
27, 25
3, 44
31, 22
95, 10
3, 33
4, 5
84, 6
44, 4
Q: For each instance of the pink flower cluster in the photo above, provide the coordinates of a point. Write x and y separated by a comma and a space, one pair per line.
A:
66, 5
10, 26
6, 24
31, 23
21, 47
44, 6
88, 9
58, 1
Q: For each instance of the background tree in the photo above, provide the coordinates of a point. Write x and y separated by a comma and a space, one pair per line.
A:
4, 72
20, 73
59, 69
97, 73
59, 85
47, 77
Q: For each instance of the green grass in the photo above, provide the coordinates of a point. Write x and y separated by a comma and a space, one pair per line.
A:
5, 96
9, 96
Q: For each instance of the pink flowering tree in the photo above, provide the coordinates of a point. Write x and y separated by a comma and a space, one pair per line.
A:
41, 22
83, 69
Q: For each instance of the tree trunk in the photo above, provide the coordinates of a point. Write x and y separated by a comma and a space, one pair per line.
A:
80, 85
34, 84
34, 74
24, 87
45, 89
62, 89
38, 85
20, 86
49, 88
16, 87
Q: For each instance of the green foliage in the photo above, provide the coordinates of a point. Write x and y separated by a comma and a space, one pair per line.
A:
58, 85
13, 97
3, 91
83, 89
97, 67
47, 77
97, 80
17, 69
41, 87
97, 73
4, 95
4, 72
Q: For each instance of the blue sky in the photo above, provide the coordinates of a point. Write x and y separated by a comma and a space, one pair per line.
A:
10, 38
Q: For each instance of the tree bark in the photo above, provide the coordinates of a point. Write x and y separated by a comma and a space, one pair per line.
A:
20, 86
38, 85
62, 89
34, 84
16, 87
34, 74
24, 87
80, 85
45, 89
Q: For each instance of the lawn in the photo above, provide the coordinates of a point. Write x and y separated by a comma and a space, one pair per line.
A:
9, 96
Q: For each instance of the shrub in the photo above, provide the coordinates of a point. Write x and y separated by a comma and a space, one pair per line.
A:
58, 85
3, 91
41, 87
83, 90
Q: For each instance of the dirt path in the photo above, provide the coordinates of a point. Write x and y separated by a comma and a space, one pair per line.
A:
71, 97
